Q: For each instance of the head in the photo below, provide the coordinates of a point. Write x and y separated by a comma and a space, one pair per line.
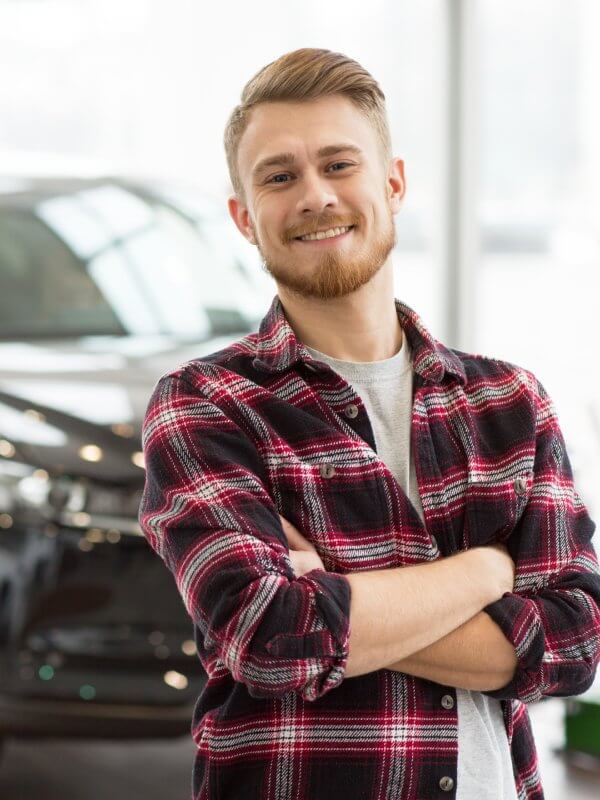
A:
309, 150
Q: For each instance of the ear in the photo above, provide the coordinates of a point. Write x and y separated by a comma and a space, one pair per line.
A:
395, 184
241, 216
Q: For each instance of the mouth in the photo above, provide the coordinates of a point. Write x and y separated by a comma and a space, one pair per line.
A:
328, 237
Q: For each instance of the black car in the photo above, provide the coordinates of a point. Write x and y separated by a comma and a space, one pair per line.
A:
105, 284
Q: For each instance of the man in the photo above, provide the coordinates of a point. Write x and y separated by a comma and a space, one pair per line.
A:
377, 537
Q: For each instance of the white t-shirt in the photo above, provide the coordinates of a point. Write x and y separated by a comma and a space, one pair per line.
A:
485, 770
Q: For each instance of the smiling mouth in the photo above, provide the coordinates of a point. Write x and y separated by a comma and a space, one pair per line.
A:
332, 234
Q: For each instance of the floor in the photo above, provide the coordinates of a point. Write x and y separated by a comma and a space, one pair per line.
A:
161, 770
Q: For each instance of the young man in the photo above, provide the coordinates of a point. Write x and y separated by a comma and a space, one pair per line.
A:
377, 537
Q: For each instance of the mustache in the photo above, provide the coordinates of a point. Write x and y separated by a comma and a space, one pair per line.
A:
321, 223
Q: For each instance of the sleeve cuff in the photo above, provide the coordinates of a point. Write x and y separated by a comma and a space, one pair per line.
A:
519, 620
331, 639
326, 649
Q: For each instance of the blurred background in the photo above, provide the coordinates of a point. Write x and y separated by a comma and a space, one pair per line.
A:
118, 261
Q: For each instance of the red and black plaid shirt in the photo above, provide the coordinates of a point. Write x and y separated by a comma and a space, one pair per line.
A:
260, 428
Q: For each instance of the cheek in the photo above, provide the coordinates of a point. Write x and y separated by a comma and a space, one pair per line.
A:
268, 224
381, 215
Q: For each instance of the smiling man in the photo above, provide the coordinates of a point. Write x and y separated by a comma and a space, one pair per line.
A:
327, 238
376, 536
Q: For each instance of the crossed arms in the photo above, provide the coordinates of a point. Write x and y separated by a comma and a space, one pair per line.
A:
476, 656
418, 611
206, 511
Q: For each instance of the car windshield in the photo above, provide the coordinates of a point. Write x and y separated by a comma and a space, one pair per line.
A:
105, 260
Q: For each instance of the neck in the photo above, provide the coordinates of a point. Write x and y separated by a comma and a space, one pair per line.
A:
362, 326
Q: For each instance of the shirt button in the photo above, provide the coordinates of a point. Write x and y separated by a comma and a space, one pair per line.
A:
446, 783
448, 701
327, 470
520, 485
351, 411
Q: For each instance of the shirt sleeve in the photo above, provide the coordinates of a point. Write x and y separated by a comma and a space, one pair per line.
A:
206, 512
552, 617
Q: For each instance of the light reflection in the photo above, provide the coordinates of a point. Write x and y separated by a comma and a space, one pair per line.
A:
80, 518
91, 452
85, 545
46, 672
22, 357
55, 659
123, 429
120, 211
175, 679
35, 415
188, 647
165, 266
34, 489
156, 637
77, 497
6, 449
111, 272
95, 535
26, 429
74, 224
95, 402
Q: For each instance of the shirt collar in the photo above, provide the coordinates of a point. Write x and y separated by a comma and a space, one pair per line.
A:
279, 348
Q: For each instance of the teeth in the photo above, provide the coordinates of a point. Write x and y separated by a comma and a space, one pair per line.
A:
310, 237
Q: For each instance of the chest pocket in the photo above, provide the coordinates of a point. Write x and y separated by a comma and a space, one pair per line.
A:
495, 503
338, 507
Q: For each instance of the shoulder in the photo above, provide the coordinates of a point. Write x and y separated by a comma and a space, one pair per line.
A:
500, 383
482, 369
214, 367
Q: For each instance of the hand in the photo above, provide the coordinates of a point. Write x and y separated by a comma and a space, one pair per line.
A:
303, 554
503, 566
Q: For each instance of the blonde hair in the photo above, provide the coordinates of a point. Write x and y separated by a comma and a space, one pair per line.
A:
302, 75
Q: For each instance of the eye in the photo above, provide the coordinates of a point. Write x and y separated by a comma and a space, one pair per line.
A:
272, 179
279, 175
342, 163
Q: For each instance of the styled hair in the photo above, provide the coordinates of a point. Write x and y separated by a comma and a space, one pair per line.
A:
302, 75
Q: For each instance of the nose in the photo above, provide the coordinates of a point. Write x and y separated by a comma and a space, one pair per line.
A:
316, 195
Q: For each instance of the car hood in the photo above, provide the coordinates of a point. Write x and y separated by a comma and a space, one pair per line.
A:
77, 406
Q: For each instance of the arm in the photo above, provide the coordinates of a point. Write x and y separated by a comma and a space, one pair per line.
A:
475, 656
433, 600
207, 513
463, 654
552, 618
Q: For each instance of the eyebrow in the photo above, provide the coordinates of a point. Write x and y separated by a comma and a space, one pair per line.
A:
289, 159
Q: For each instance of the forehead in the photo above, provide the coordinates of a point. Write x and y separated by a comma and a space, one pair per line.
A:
302, 128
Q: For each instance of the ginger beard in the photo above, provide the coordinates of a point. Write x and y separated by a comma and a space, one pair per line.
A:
333, 271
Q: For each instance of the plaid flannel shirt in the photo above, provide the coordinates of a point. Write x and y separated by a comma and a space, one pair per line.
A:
260, 428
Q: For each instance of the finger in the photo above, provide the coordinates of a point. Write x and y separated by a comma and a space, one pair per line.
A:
296, 540
303, 562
